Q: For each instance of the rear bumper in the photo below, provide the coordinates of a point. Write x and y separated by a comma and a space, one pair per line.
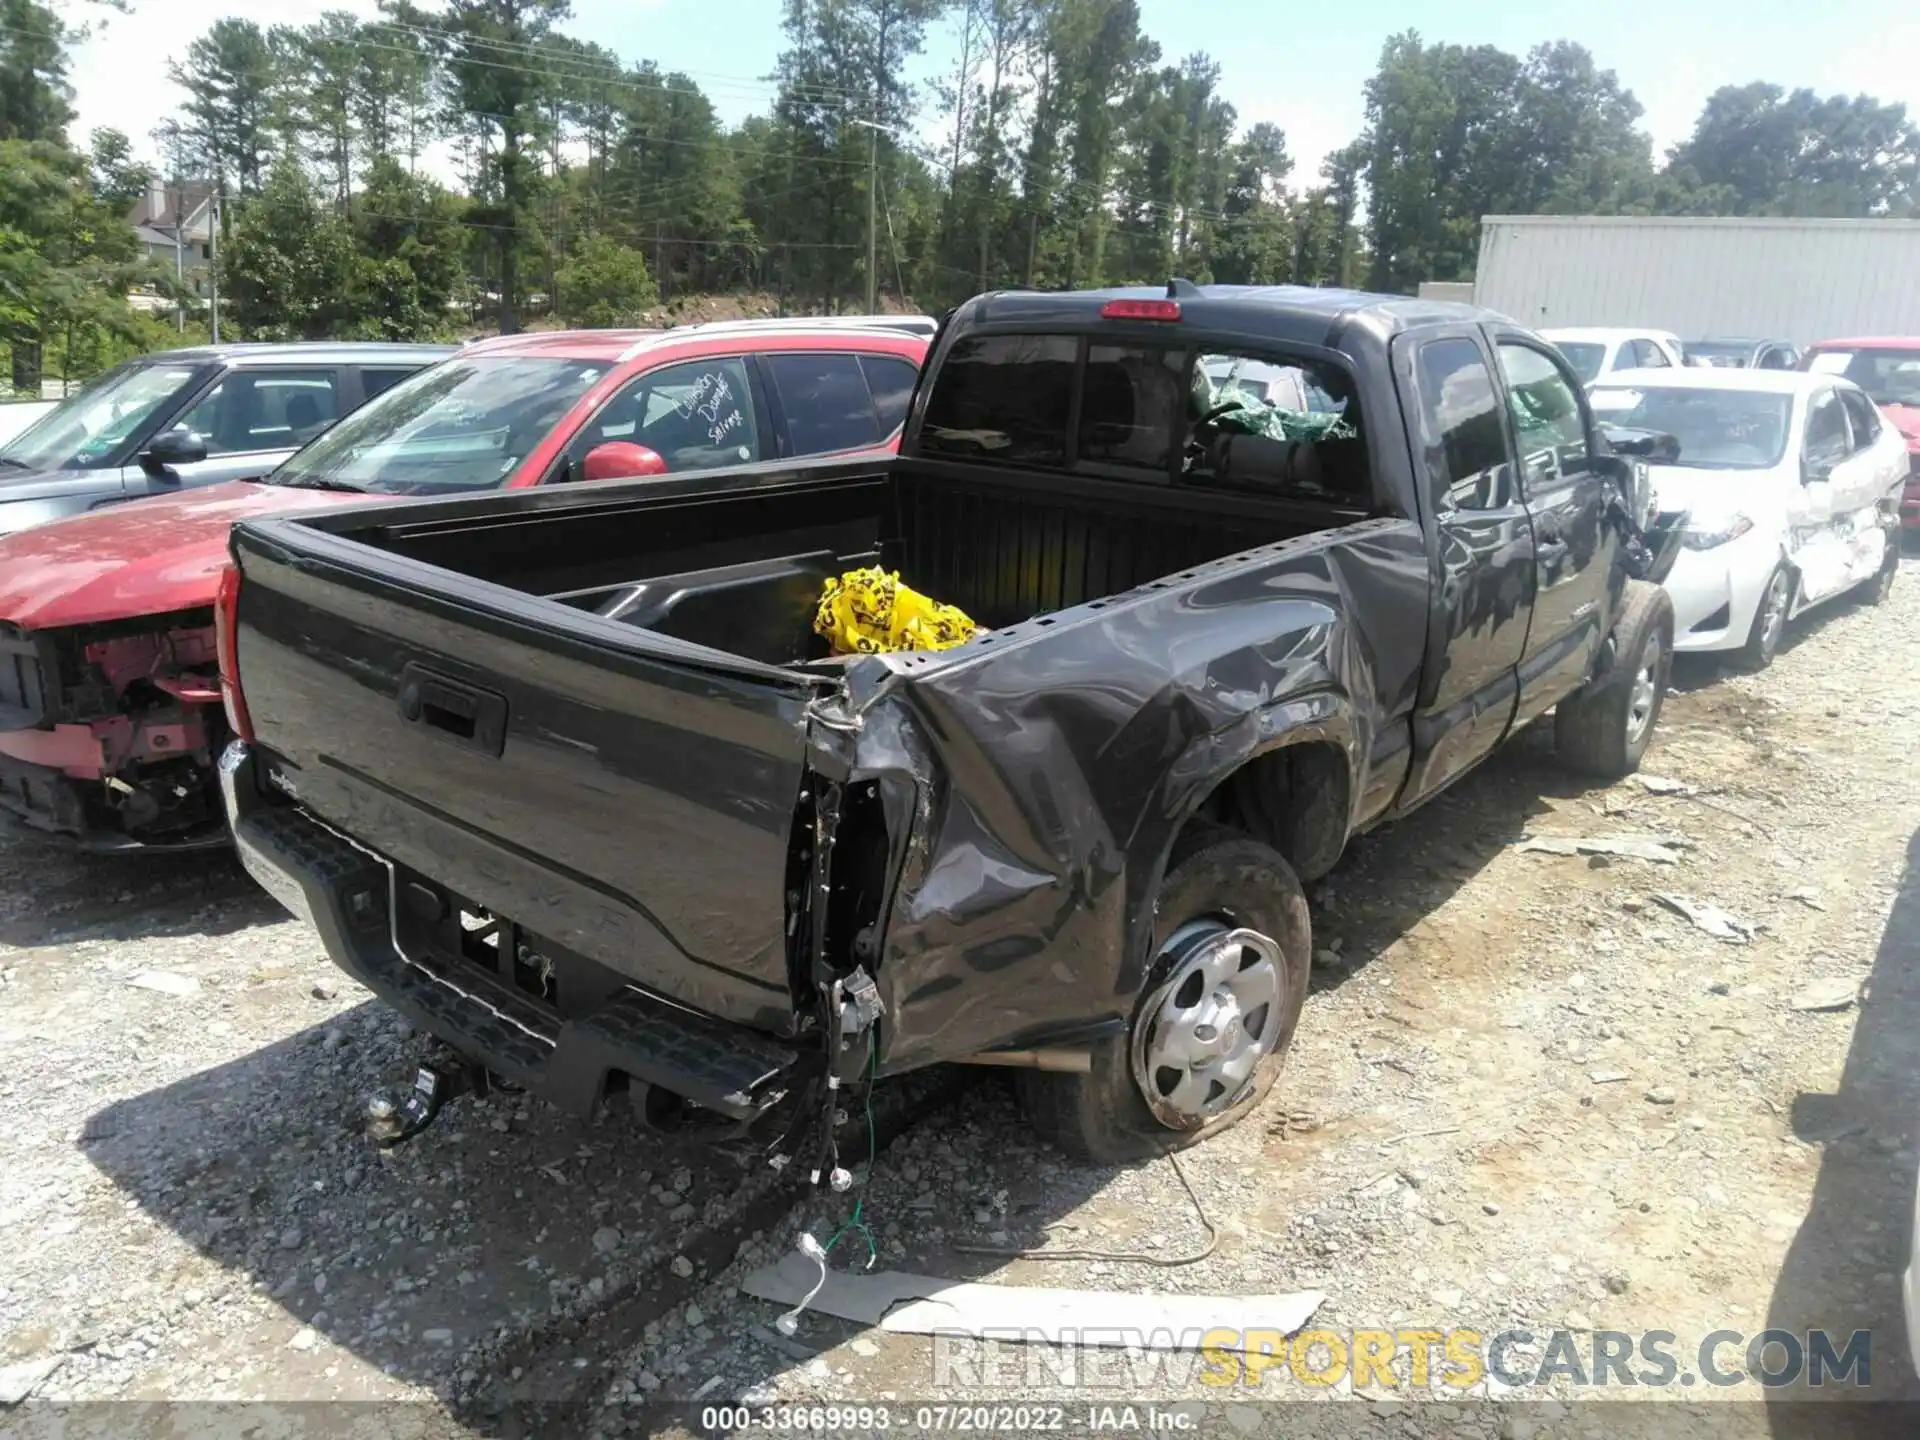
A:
350, 895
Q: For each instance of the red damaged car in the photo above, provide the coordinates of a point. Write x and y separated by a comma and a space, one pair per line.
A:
1888, 369
110, 713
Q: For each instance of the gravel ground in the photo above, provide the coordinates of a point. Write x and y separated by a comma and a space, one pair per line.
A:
1525, 1092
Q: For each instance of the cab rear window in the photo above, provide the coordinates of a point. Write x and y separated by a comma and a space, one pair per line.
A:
1004, 398
1266, 422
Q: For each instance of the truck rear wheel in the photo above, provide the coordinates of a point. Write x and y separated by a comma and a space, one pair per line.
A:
1210, 1031
1605, 729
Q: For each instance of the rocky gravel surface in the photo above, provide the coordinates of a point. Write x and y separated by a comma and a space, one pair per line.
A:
1561, 1092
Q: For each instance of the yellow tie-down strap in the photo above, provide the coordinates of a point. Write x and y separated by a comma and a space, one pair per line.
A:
869, 612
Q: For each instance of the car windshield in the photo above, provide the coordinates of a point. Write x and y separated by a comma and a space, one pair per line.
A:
1717, 429
465, 424
1584, 356
1721, 354
84, 430
1889, 376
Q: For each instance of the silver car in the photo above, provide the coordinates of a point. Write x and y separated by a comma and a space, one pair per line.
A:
181, 418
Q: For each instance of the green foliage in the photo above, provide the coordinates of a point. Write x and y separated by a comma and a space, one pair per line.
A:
411, 254
227, 125
1770, 152
67, 258
604, 285
33, 72
1063, 149
118, 179
288, 266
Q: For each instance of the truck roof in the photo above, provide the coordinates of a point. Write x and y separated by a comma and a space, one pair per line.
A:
1302, 313
255, 353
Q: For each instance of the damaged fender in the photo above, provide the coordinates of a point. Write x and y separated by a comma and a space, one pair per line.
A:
1043, 774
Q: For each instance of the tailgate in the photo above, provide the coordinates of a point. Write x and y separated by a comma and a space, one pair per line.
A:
621, 794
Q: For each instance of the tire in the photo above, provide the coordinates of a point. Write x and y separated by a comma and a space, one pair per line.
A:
1217, 881
1769, 620
1605, 729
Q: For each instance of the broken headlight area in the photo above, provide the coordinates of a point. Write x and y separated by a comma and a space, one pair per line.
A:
1715, 533
107, 735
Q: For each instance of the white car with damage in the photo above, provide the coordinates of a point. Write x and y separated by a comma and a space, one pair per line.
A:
1791, 483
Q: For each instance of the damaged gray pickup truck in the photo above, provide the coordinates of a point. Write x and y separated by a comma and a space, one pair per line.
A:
566, 776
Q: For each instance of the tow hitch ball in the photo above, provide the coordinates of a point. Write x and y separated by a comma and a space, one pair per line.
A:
390, 1123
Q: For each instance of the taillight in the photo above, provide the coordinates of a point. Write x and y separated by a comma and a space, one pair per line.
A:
226, 637
1140, 310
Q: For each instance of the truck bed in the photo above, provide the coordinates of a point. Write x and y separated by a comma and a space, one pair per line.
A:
591, 709
740, 569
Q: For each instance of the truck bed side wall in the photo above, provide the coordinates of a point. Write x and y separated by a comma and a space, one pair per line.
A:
1068, 756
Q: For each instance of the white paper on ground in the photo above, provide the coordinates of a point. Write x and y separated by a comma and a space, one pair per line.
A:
929, 1305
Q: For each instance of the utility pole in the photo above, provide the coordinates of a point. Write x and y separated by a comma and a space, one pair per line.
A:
873, 192
179, 259
873, 176
213, 265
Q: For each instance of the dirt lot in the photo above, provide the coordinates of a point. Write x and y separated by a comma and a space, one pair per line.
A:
1526, 1093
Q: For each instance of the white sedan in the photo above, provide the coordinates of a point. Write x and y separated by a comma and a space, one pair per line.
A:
1597, 351
1791, 484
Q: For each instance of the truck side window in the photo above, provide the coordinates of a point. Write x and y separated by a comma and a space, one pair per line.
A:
1287, 427
1547, 422
1129, 405
1003, 399
1460, 422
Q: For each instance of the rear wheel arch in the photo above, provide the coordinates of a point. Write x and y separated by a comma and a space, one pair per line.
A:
1212, 782
1296, 797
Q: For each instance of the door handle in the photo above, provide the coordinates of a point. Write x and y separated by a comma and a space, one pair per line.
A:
464, 713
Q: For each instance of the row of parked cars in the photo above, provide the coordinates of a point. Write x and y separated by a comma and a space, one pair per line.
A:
109, 708
562, 770
1784, 459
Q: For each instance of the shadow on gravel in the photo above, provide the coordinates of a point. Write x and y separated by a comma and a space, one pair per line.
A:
502, 1216
49, 895
1842, 1272
1392, 879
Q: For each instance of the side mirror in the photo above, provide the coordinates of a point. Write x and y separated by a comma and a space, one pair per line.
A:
621, 460
1641, 444
170, 448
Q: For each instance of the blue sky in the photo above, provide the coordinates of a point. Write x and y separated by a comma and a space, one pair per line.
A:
1292, 64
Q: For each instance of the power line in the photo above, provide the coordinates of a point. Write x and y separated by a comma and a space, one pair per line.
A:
611, 74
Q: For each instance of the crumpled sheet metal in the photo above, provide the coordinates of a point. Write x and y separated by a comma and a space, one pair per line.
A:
1064, 759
